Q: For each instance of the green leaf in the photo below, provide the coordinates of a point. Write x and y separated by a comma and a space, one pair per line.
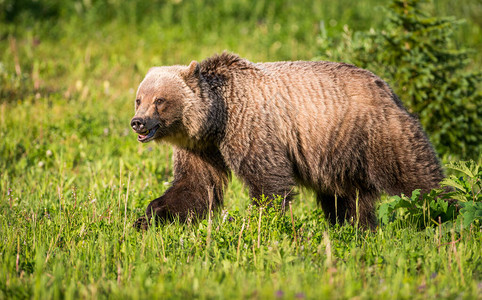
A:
461, 166
471, 212
453, 183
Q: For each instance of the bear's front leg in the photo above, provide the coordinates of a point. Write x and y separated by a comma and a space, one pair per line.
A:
199, 177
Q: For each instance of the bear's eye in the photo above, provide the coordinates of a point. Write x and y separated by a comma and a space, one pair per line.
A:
160, 100
138, 102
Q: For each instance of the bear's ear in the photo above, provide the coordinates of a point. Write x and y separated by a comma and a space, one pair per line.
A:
191, 71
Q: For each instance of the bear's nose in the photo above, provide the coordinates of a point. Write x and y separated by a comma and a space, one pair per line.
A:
137, 124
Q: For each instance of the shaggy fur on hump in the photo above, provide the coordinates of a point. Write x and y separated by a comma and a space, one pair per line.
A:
223, 63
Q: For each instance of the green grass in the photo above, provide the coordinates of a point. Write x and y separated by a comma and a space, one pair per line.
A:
73, 178
81, 244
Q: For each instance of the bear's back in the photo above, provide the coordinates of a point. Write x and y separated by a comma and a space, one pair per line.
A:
324, 95
329, 82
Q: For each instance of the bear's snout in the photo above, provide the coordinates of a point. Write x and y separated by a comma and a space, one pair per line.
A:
138, 124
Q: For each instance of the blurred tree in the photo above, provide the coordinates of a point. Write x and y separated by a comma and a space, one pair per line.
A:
11, 10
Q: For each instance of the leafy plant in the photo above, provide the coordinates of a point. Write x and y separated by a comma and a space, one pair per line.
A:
417, 209
462, 204
467, 191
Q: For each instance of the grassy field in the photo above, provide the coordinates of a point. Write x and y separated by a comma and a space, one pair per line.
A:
73, 178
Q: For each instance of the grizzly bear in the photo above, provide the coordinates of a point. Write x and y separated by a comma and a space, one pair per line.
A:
332, 127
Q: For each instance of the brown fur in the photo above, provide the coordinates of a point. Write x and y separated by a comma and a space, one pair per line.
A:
332, 127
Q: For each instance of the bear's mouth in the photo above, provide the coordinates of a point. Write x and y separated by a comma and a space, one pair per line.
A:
148, 135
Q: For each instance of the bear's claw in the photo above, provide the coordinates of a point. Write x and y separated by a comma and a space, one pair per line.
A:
142, 223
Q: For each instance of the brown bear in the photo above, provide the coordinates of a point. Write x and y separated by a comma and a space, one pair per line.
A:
332, 127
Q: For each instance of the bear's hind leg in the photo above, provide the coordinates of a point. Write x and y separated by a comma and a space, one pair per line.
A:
366, 209
344, 208
334, 208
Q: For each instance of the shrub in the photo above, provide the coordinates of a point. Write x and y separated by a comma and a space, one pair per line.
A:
462, 204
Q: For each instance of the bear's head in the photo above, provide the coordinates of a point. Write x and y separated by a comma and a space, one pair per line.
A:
168, 105
185, 105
